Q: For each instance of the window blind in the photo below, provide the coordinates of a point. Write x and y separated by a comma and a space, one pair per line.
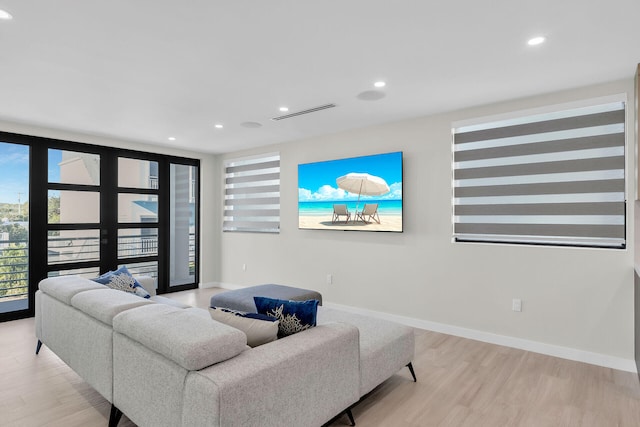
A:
252, 194
554, 178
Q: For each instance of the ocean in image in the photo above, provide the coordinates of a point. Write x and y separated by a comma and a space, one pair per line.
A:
385, 207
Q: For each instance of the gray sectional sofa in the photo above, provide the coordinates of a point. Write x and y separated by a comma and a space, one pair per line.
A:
171, 365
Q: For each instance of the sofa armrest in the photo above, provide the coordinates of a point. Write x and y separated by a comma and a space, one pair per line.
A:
303, 379
149, 283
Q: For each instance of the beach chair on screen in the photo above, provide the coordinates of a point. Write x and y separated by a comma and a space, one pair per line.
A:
338, 211
369, 213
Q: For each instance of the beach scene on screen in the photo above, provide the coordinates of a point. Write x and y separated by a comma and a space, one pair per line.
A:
361, 193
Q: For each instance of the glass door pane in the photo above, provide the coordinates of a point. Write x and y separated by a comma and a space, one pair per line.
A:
72, 167
134, 207
182, 227
136, 173
14, 227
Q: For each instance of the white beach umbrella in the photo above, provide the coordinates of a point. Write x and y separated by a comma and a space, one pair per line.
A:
363, 184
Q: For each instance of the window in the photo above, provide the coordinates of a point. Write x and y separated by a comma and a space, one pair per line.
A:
556, 178
139, 193
252, 194
73, 209
14, 228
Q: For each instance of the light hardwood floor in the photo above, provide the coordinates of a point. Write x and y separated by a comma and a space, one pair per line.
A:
460, 383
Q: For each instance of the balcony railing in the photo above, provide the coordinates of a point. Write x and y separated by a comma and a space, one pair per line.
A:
73, 249
14, 258
14, 269
137, 245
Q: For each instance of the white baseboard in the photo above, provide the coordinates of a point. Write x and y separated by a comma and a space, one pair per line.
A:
208, 285
220, 285
598, 359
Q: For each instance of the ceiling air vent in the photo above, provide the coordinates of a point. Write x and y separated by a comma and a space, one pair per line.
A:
307, 111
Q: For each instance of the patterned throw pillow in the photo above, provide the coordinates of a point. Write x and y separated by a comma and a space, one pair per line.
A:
259, 328
122, 280
294, 316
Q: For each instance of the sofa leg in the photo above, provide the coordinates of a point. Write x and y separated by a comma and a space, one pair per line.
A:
38, 346
413, 374
350, 415
114, 417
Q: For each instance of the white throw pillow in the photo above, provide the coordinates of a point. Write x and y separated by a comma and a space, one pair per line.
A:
260, 329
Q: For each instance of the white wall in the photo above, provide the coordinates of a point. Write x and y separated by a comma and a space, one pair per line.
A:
572, 297
208, 175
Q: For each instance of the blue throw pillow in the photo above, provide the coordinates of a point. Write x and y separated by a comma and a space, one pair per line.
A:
122, 280
294, 316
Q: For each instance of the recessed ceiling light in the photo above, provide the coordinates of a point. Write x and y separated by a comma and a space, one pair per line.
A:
219, 126
5, 15
250, 125
380, 84
284, 109
172, 138
371, 95
536, 41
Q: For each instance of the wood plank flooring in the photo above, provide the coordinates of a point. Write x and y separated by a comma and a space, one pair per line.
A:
460, 383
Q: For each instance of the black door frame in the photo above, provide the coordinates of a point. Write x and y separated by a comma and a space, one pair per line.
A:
108, 226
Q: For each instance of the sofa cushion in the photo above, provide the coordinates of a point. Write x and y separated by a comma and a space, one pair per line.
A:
385, 347
294, 316
63, 288
259, 328
122, 280
189, 337
103, 304
168, 301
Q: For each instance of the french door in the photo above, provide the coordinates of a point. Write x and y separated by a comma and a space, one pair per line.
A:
92, 209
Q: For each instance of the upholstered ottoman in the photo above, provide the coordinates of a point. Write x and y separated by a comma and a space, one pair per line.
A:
242, 299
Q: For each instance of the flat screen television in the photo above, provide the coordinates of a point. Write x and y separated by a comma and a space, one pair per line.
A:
359, 193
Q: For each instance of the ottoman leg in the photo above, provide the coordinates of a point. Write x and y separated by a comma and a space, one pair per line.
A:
413, 374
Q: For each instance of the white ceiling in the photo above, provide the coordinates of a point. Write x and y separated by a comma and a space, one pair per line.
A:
145, 70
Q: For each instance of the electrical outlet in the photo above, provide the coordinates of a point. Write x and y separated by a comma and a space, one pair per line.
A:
329, 279
516, 304
244, 267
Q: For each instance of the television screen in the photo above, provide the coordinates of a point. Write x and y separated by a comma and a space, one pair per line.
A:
359, 193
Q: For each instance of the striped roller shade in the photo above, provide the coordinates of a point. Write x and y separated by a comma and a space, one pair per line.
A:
554, 178
252, 194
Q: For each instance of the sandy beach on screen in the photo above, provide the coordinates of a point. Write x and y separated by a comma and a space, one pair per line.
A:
387, 223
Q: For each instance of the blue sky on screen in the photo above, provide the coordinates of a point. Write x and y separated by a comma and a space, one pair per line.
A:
14, 171
317, 181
